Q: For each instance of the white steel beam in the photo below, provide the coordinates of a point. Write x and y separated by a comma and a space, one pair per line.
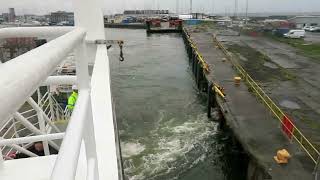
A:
90, 146
93, 24
29, 139
23, 150
84, 83
36, 107
1, 159
91, 174
51, 124
82, 67
4, 142
42, 127
67, 161
33, 68
32, 128
103, 116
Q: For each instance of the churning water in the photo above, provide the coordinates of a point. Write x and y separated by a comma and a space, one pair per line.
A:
164, 131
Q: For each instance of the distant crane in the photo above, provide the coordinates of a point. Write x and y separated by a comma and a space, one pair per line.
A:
190, 6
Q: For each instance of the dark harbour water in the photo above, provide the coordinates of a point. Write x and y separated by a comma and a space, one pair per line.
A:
164, 131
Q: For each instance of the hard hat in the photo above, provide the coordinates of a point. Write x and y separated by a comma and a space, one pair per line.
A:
74, 87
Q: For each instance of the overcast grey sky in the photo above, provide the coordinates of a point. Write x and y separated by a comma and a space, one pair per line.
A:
220, 6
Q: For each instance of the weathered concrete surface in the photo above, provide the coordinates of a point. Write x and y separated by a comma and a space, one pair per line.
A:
313, 37
255, 127
302, 86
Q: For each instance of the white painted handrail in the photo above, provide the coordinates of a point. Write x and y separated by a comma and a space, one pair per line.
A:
40, 32
34, 67
60, 80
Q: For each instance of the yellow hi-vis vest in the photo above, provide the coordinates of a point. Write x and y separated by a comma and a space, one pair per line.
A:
72, 100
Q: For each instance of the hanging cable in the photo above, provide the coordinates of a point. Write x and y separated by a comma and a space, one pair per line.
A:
108, 45
121, 57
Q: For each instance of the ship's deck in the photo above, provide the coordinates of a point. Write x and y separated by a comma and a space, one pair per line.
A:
39, 168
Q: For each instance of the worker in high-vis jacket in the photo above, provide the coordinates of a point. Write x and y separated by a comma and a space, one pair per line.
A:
73, 98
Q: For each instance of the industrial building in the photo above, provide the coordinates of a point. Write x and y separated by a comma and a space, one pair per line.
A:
12, 15
61, 16
8, 17
302, 21
145, 12
2, 18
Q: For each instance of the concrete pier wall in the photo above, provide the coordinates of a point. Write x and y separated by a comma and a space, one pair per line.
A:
125, 26
251, 123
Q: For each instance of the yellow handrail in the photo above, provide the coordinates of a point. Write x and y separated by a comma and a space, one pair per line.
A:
305, 143
312, 152
201, 60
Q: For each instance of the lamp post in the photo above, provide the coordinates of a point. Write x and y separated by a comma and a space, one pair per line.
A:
213, 7
177, 7
235, 8
247, 5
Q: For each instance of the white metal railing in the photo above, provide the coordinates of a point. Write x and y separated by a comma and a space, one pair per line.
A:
14, 129
91, 127
66, 164
24, 140
36, 66
43, 61
103, 118
51, 108
42, 65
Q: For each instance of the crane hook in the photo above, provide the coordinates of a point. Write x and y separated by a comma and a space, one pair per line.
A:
121, 57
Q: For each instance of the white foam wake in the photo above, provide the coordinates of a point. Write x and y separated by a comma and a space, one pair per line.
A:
174, 146
131, 149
